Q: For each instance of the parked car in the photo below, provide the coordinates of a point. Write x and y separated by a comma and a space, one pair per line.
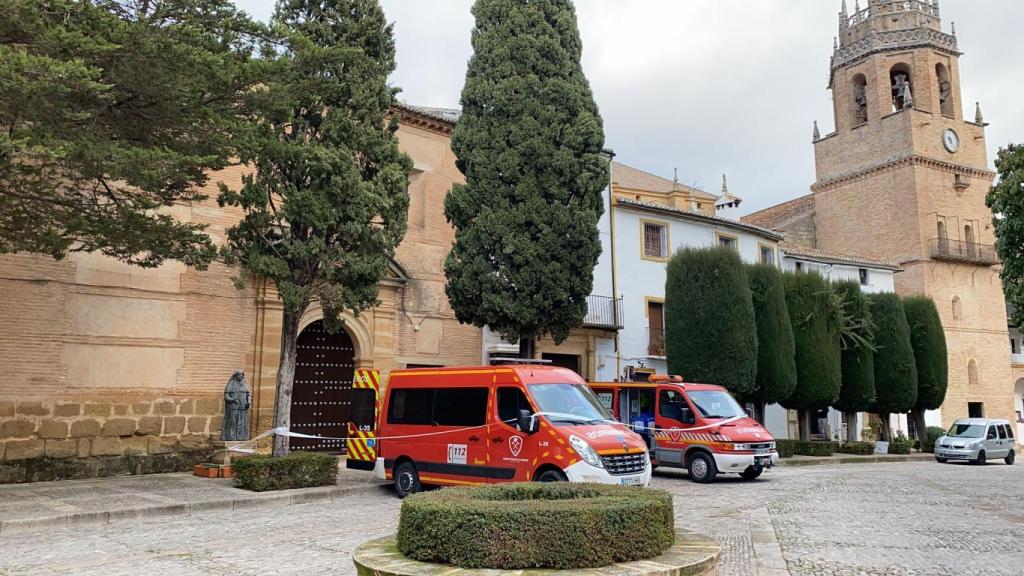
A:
977, 440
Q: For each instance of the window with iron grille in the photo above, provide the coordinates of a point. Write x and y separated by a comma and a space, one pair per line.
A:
655, 240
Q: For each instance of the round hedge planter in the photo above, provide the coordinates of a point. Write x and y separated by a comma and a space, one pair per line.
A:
536, 525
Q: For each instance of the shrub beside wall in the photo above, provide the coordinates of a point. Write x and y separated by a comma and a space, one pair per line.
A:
787, 448
296, 470
858, 448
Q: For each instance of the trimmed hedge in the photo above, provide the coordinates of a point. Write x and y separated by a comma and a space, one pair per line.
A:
536, 525
859, 448
900, 444
787, 448
934, 433
296, 470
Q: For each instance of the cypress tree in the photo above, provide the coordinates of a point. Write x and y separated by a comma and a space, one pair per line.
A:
776, 362
529, 142
815, 321
931, 359
857, 357
895, 369
710, 334
327, 205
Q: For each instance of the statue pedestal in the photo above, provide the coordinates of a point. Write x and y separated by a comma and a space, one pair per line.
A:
222, 451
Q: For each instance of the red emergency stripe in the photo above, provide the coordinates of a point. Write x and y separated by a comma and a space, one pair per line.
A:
355, 451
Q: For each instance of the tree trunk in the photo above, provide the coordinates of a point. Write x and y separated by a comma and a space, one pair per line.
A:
805, 425
759, 410
286, 379
886, 430
922, 431
851, 426
526, 348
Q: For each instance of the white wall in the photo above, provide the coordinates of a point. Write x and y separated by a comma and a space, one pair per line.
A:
603, 270
879, 279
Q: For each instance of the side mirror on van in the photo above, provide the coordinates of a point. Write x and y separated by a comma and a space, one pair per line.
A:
525, 422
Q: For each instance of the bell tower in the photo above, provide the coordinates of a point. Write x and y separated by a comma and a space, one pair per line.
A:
903, 178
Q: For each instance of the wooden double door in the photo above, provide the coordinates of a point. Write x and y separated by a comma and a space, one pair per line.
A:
321, 396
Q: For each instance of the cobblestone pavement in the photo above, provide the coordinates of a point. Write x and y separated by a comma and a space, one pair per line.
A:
866, 519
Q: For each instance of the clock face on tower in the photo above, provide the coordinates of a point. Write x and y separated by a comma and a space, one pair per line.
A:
950, 140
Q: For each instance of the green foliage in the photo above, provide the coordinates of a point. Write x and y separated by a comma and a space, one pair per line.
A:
296, 470
710, 333
900, 444
789, 448
111, 113
895, 370
326, 206
816, 320
858, 448
934, 433
1006, 199
529, 142
776, 363
928, 341
857, 389
536, 525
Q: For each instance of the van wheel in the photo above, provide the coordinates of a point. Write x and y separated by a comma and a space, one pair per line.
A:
407, 480
552, 476
751, 473
702, 468
981, 458
1009, 458
940, 459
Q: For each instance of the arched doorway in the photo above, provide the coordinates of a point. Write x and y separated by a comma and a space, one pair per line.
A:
323, 383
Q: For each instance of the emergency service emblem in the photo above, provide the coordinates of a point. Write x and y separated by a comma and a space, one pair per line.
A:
515, 445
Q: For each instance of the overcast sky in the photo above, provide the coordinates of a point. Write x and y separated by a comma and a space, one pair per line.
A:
714, 86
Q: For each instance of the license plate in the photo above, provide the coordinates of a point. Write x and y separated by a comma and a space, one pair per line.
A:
631, 481
763, 462
763, 451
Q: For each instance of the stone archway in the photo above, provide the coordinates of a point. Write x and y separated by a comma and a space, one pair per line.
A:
322, 387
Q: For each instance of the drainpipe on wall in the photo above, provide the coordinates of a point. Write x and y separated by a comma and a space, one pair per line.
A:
611, 241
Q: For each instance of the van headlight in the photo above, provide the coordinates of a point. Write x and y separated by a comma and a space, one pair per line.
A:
585, 450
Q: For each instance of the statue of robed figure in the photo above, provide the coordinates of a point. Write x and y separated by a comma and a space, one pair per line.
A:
237, 400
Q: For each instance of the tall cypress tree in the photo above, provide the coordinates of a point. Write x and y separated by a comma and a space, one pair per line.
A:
710, 334
326, 206
895, 368
928, 340
529, 142
815, 320
776, 362
857, 388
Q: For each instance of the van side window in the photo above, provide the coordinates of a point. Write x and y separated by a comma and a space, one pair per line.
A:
672, 405
1009, 431
411, 406
460, 406
991, 433
510, 401
1002, 431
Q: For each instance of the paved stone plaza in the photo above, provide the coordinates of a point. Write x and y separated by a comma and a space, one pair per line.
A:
895, 518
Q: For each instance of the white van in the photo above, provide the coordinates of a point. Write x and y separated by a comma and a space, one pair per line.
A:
977, 440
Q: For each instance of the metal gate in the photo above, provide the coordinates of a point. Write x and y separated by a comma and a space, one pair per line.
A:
322, 390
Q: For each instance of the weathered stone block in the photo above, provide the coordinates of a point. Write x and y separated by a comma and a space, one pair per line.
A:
216, 425
174, 425
61, 448
120, 409
97, 409
209, 406
33, 408
136, 444
85, 428
119, 427
17, 428
141, 408
67, 410
192, 442
150, 425
84, 447
24, 449
52, 429
186, 408
165, 407
197, 424
106, 447
6, 408
162, 445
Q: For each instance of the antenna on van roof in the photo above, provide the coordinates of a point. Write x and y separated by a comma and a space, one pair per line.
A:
503, 361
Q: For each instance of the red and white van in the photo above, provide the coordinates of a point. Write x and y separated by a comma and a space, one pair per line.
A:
699, 427
486, 424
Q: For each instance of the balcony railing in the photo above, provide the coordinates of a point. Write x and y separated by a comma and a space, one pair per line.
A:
959, 251
603, 312
655, 342
1017, 358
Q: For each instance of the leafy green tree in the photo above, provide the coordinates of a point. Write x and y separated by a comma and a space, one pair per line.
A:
895, 369
776, 362
928, 340
816, 321
529, 142
112, 111
857, 356
326, 206
710, 333
1006, 199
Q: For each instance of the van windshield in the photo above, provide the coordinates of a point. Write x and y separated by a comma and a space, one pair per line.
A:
715, 404
966, 431
569, 403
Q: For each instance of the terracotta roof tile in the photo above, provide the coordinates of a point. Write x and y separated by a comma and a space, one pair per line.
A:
629, 177
700, 216
833, 257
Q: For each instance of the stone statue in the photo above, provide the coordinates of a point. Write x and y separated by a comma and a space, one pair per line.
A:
237, 400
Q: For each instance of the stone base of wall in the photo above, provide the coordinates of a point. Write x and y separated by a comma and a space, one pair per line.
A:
47, 469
